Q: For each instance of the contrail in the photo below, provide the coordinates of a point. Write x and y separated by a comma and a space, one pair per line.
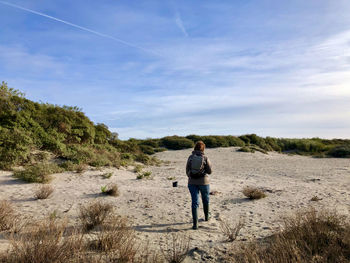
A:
80, 27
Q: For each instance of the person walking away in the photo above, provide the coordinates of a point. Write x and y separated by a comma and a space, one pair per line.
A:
197, 169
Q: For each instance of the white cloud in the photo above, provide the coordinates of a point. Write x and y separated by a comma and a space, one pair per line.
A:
180, 24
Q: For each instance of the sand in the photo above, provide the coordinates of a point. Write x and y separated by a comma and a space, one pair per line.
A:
155, 207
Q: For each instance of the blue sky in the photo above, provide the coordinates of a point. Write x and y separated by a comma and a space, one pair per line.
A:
157, 68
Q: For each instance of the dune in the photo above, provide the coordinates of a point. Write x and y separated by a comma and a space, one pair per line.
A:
155, 207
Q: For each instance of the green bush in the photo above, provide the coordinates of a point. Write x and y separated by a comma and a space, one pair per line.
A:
176, 143
154, 143
147, 149
40, 173
14, 147
246, 149
342, 151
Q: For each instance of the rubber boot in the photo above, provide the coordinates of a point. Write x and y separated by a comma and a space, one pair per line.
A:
206, 212
195, 218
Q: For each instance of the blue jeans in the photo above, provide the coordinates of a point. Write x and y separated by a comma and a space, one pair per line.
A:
194, 190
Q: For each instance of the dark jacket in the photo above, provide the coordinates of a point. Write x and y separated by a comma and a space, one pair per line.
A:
204, 180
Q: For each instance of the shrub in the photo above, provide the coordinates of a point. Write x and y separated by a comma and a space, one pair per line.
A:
111, 189
44, 242
176, 143
229, 230
44, 192
147, 149
342, 151
39, 173
138, 168
309, 236
146, 175
176, 247
7, 215
107, 175
246, 149
145, 159
154, 143
159, 149
115, 236
94, 214
14, 147
253, 193
315, 198
70, 166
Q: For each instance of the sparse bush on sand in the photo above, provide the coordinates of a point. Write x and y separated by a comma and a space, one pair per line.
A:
110, 189
138, 168
309, 236
253, 193
246, 149
229, 230
176, 247
146, 175
315, 198
107, 175
44, 191
7, 215
39, 173
94, 214
44, 242
115, 235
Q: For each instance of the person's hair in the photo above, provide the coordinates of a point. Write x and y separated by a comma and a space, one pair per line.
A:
200, 146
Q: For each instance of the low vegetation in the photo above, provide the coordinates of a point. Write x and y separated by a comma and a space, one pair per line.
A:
144, 175
310, 236
110, 189
39, 173
44, 242
253, 193
107, 175
30, 132
116, 236
44, 192
176, 247
7, 215
94, 214
230, 230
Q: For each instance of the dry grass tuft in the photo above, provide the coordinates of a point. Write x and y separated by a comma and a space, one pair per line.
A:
44, 242
94, 214
253, 193
114, 233
176, 247
7, 215
315, 198
230, 231
110, 189
309, 236
116, 240
44, 192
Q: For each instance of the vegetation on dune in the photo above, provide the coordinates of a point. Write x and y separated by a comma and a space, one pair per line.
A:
28, 127
309, 236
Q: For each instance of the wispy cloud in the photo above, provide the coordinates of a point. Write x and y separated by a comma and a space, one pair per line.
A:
180, 24
80, 27
239, 72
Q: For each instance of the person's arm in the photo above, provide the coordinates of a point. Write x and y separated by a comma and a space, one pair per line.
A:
188, 166
208, 169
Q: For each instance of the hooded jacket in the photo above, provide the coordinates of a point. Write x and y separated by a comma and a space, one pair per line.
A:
204, 180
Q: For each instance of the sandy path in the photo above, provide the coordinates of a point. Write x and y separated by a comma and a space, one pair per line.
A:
155, 206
